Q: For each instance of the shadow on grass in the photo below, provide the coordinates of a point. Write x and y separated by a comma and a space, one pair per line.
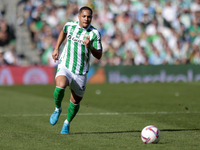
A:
172, 130
134, 131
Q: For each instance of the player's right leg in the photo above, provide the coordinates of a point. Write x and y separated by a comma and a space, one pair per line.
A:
61, 83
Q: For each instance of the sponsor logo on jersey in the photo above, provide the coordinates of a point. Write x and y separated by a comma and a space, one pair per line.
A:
70, 37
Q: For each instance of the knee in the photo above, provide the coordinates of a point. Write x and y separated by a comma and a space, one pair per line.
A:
62, 82
61, 85
75, 99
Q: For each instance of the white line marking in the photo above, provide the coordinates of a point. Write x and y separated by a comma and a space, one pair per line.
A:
108, 113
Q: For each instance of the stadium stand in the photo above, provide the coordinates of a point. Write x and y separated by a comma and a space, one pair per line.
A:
134, 32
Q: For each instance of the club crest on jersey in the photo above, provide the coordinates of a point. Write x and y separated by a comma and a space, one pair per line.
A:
70, 37
86, 34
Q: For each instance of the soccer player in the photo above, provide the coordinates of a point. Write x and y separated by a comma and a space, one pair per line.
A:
82, 40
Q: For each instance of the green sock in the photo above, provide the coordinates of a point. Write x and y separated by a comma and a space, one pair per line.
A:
72, 111
58, 96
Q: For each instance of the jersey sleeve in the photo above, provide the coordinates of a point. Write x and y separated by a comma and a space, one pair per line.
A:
97, 41
66, 27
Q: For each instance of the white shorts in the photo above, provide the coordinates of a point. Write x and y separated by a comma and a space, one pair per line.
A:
76, 82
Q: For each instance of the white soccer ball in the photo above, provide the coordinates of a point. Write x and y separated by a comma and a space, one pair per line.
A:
150, 134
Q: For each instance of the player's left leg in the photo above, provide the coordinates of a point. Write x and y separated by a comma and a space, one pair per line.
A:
72, 111
77, 86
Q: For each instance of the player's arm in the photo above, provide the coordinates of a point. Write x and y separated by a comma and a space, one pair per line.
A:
60, 39
97, 53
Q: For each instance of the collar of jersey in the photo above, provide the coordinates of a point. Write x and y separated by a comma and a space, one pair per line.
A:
84, 28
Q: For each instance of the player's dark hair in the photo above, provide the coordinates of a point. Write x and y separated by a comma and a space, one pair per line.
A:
85, 8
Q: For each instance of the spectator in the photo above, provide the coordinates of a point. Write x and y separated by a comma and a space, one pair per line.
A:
168, 14
6, 33
195, 6
128, 59
195, 56
194, 29
155, 58
168, 57
185, 18
3, 62
52, 19
11, 57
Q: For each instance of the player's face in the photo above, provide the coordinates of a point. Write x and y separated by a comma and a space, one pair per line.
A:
85, 18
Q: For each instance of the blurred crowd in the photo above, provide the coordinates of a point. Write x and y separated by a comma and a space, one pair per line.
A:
8, 55
134, 32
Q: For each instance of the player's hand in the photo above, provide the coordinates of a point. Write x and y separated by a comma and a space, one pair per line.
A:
86, 41
55, 55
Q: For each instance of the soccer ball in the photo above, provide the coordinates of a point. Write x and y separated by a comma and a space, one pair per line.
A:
150, 134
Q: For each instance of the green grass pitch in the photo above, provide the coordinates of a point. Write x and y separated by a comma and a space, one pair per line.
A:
111, 117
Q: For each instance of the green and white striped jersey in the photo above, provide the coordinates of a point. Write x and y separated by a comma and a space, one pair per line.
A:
75, 55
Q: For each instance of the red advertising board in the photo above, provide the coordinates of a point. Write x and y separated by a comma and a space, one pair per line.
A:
13, 75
